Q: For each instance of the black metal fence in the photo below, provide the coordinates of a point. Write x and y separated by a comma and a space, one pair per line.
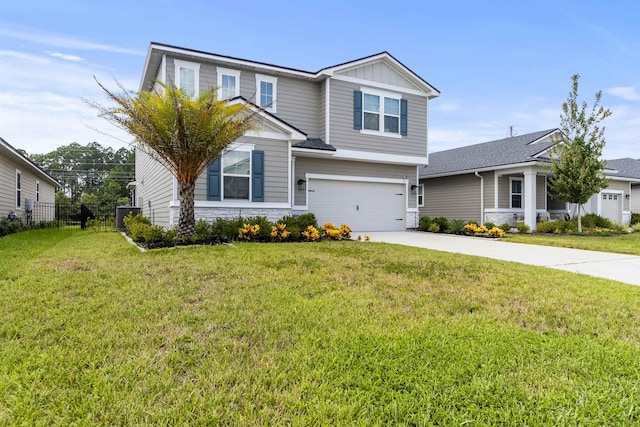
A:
72, 215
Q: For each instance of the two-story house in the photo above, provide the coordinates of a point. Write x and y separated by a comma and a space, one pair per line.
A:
344, 143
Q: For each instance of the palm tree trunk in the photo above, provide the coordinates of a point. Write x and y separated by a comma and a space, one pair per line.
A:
187, 223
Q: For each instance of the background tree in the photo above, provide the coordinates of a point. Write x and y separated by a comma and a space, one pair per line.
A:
184, 134
576, 161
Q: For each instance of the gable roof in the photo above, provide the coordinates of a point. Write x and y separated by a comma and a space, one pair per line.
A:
627, 168
5, 147
153, 60
501, 152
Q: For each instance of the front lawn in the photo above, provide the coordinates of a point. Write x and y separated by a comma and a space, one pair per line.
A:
94, 332
622, 243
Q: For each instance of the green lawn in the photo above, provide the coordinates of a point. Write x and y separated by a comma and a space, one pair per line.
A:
622, 244
94, 332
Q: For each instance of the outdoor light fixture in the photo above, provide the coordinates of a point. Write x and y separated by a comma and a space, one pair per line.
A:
302, 184
414, 188
626, 196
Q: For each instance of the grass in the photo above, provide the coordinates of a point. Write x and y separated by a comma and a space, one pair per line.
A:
94, 332
622, 243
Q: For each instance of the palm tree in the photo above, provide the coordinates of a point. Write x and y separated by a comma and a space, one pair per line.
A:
184, 134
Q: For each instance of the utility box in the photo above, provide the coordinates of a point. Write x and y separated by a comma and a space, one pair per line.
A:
121, 212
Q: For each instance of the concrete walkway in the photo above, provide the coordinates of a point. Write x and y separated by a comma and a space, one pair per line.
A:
620, 267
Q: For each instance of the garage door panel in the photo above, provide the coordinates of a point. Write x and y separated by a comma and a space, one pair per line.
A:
364, 206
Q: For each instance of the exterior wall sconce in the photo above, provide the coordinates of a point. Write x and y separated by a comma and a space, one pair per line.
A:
302, 184
414, 189
626, 196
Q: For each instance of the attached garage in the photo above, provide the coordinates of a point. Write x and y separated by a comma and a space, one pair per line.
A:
611, 206
364, 205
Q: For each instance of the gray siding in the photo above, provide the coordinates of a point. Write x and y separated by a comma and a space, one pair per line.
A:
344, 136
620, 186
154, 190
541, 194
634, 202
276, 171
453, 197
322, 111
305, 165
489, 184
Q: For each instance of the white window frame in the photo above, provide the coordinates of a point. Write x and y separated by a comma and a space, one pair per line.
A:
511, 193
192, 66
37, 190
274, 84
18, 193
246, 148
420, 195
382, 95
228, 72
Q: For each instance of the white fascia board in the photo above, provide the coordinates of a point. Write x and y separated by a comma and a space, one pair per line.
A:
367, 156
518, 167
622, 178
310, 152
292, 133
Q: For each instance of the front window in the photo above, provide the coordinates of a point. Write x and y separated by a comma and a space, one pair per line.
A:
381, 113
516, 193
18, 188
228, 83
266, 87
187, 76
421, 195
236, 175
37, 191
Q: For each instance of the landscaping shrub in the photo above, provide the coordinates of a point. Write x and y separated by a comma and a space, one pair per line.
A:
434, 228
203, 230
279, 233
489, 225
307, 219
522, 227
9, 225
456, 226
138, 231
505, 227
593, 221
311, 234
424, 223
636, 227
264, 232
226, 230
442, 222
130, 220
635, 218
153, 234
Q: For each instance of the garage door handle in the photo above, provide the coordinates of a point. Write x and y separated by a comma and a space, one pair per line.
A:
311, 191
398, 219
399, 194
357, 207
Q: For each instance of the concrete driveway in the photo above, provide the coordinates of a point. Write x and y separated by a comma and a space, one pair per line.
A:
620, 267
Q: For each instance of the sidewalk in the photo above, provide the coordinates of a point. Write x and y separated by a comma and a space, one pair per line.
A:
620, 267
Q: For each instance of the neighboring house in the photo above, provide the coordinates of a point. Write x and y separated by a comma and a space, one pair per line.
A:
344, 143
630, 169
24, 187
505, 181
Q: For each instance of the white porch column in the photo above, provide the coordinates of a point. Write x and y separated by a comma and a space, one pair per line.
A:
530, 198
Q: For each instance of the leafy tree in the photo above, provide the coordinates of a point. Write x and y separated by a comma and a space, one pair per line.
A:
576, 160
184, 134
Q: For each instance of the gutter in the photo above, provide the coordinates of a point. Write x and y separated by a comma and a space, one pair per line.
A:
481, 197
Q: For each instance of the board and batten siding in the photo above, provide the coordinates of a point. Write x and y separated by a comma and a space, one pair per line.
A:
379, 72
304, 165
453, 197
154, 190
276, 170
344, 136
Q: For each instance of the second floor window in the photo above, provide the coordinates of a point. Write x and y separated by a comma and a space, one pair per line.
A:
266, 88
228, 83
380, 113
187, 77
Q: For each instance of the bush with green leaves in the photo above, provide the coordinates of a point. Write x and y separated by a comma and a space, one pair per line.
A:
442, 222
489, 225
297, 224
424, 223
138, 231
10, 224
635, 218
153, 234
131, 219
505, 227
592, 220
522, 227
264, 234
456, 226
204, 231
434, 228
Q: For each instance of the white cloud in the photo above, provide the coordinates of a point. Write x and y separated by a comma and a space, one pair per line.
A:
628, 93
446, 107
53, 39
66, 57
23, 56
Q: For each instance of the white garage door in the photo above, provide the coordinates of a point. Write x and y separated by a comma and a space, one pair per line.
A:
363, 206
611, 206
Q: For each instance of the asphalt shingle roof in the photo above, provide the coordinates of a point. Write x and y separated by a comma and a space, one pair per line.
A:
315, 144
628, 168
512, 150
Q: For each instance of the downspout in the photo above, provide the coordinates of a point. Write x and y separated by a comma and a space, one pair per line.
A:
481, 197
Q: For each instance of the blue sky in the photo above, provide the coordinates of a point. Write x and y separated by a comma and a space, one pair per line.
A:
496, 63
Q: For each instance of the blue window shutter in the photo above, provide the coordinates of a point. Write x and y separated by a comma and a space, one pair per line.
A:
357, 109
213, 181
403, 117
257, 176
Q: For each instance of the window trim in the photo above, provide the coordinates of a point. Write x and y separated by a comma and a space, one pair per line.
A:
189, 65
18, 193
382, 95
274, 82
420, 195
220, 71
246, 148
511, 193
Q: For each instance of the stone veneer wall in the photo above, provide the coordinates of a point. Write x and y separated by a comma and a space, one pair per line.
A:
211, 214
